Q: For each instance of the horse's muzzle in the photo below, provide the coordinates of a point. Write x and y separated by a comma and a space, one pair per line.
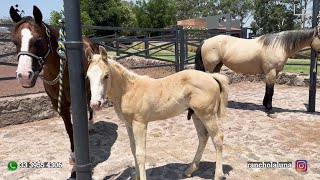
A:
96, 105
29, 80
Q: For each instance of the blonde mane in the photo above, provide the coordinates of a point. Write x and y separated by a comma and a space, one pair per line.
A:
114, 64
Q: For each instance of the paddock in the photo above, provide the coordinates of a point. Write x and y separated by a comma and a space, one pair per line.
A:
250, 136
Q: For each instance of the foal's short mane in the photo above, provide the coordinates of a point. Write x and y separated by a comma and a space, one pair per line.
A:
122, 69
287, 39
114, 64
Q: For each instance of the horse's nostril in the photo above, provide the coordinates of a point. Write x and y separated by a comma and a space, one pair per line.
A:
99, 103
19, 75
29, 74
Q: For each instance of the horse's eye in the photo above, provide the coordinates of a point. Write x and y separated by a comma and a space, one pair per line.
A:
106, 76
38, 41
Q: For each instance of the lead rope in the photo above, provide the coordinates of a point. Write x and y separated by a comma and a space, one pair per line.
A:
61, 50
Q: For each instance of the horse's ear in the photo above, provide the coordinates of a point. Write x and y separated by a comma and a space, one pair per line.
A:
14, 15
37, 15
103, 52
88, 53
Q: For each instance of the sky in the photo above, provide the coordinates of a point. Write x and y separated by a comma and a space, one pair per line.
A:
46, 6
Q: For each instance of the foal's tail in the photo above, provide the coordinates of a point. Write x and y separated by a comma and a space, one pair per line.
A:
223, 82
198, 59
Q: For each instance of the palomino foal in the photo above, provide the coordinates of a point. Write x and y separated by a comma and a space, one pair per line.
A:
139, 100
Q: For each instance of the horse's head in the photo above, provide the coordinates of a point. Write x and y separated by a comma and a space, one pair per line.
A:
32, 39
99, 76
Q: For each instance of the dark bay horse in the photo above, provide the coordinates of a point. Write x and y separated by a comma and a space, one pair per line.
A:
36, 44
266, 54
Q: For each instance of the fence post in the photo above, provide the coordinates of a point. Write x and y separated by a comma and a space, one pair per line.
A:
313, 64
117, 44
146, 45
186, 43
176, 47
182, 49
74, 47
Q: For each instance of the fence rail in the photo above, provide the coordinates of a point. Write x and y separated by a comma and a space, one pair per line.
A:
173, 44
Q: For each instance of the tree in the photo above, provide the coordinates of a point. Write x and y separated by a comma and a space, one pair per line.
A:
155, 13
189, 9
273, 16
85, 21
114, 13
237, 8
301, 8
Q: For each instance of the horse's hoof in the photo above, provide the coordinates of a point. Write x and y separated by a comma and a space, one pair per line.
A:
192, 168
219, 177
272, 115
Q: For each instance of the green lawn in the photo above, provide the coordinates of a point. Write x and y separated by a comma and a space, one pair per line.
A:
298, 68
168, 55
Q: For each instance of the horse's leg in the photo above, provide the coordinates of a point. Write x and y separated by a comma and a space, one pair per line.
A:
203, 138
218, 68
217, 138
90, 122
132, 146
65, 114
139, 131
270, 79
211, 62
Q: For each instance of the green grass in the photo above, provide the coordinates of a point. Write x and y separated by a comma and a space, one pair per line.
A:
287, 68
297, 68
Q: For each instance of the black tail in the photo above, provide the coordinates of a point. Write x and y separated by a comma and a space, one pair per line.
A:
198, 59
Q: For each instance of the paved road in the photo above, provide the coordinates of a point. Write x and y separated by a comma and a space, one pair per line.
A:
250, 135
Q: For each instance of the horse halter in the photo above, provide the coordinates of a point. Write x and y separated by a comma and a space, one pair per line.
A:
40, 59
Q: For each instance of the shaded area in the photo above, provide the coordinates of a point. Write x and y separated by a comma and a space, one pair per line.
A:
101, 140
8, 64
173, 171
7, 78
253, 106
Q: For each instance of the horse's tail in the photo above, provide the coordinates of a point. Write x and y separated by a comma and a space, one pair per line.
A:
198, 59
223, 82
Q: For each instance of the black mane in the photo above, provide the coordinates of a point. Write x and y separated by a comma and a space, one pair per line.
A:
288, 39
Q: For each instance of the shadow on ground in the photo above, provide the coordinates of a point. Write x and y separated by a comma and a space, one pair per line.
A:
252, 106
173, 171
101, 140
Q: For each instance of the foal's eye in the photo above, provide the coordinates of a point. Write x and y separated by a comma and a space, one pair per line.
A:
106, 76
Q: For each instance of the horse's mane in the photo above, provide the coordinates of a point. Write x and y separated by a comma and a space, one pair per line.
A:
123, 70
288, 39
130, 74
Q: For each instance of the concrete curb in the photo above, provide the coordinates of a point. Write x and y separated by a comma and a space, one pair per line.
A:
23, 109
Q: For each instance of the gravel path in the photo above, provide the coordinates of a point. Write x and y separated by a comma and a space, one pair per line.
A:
249, 135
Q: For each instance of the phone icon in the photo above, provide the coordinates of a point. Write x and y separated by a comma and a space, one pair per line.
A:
12, 166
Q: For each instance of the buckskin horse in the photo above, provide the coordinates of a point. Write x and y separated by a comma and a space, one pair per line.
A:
266, 54
36, 44
139, 100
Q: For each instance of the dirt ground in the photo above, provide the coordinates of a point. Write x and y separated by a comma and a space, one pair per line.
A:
249, 136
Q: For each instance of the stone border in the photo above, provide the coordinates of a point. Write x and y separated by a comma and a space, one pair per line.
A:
23, 109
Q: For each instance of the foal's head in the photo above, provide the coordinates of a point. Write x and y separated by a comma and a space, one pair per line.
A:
98, 74
32, 39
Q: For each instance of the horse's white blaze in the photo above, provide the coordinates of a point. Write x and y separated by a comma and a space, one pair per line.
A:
94, 74
25, 62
